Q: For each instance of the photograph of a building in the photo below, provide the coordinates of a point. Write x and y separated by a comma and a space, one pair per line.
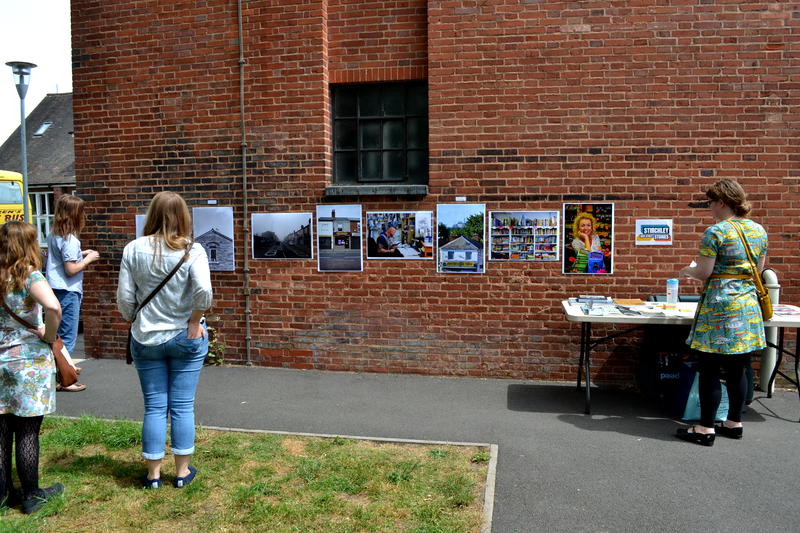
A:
213, 229
460, 238
282, 235
339, 238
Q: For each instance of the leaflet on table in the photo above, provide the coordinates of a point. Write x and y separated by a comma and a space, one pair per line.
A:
600, 309
785, 310
589, 299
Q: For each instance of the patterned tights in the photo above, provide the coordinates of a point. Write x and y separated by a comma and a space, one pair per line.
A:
25, 430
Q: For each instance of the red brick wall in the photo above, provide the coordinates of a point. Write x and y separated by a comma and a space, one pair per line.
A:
532, 104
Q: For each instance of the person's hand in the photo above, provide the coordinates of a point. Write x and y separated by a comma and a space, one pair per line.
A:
586, 241
90, 256
40, 332
195, 331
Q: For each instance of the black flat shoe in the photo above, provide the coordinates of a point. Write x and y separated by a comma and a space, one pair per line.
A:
698, 438
731, 433
40, 497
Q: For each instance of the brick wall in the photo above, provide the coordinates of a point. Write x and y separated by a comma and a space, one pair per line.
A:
531, 104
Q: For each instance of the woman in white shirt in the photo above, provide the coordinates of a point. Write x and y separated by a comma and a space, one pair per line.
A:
169, 339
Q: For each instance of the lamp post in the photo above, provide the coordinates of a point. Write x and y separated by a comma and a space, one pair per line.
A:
22, 77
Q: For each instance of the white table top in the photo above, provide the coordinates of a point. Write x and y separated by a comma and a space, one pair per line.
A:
683, 314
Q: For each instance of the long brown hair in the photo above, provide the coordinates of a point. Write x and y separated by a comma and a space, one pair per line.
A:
168, 217
732, 194
69, 218
19, 254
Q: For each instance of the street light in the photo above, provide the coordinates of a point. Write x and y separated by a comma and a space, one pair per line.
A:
22, 77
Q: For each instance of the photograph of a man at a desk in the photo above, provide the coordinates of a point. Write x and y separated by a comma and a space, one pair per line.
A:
400, 235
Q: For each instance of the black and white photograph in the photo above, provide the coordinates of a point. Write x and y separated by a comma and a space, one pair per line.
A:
339, 238
460, 238
213, 229
140, 220
400, 235
282, 235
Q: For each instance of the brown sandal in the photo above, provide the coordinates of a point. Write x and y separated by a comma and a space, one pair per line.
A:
75, 387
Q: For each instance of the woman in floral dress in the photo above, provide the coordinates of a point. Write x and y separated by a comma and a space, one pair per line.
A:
728, 326
27, 369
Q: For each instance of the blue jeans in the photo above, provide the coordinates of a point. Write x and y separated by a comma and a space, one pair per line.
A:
168, 374
70, 316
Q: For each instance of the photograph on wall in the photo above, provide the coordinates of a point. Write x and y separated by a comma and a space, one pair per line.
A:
213, 229
523, 235
588, 238
460, 238
400, 235
282, 235
140, 220
339, 238
654, 232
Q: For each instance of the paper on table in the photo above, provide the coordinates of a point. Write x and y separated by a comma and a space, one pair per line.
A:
628, 301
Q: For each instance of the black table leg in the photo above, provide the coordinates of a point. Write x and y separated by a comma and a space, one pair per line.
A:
584, 343
587, 360
777, 363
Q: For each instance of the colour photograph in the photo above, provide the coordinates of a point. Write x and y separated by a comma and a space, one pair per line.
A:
339, 238
460, 238
523, 235
588, 238
400, 235
213, 229
282, 235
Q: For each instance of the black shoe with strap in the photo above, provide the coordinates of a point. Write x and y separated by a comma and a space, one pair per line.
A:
704, 439
731, 433
40, 497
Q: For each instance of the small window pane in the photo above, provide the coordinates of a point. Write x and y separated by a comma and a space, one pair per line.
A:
417, 163
394, 100
394, 165
370, 166
345, 102
346, 166
417, 101
345, 134
370, 134
369, 102
393, 134
417, 132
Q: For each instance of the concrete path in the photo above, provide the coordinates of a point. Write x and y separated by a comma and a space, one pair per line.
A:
620, 469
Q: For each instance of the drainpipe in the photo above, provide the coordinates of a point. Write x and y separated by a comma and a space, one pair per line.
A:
770, 279
246, 277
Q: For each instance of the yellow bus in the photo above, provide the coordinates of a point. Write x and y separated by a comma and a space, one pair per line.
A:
11, 197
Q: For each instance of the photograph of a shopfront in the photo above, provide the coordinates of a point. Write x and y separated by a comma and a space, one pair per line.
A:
339, 238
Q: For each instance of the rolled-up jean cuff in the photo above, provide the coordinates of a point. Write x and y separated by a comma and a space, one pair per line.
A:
153, 456
187, 451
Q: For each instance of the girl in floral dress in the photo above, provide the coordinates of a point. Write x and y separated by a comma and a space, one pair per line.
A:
728, 326
27, 369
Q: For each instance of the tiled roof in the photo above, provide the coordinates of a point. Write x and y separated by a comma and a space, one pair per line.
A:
51, 157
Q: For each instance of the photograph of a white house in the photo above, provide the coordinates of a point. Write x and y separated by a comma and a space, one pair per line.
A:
213, 229
460, 238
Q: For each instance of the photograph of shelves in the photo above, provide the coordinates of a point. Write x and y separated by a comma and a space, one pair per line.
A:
524, 235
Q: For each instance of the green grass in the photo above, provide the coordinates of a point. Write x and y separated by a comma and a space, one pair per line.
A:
254, 482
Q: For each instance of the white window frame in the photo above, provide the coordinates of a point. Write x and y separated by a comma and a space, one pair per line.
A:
42, 217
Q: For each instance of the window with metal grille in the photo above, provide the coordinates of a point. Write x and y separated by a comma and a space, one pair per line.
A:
380, 133
43, 214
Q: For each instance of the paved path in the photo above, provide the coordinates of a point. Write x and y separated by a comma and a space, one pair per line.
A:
559, 470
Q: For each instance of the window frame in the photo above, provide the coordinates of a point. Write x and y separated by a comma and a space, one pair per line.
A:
362, 121
39, 198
